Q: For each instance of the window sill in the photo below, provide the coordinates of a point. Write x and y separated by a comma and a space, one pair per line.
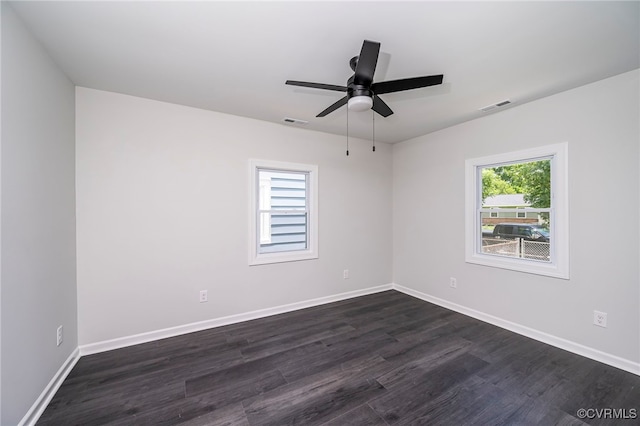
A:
268, 258
531, 267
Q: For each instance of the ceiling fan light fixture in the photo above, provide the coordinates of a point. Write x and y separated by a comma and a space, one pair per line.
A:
360, 103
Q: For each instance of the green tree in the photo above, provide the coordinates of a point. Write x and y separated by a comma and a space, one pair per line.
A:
532, 179
513, 174
537, 186
493, 184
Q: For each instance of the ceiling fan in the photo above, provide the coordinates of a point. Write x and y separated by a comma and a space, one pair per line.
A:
362, 92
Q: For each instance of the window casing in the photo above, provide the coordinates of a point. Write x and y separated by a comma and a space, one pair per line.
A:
283, 216
555, 262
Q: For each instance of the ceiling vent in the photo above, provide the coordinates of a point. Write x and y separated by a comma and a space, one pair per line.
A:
299, 122
496, 106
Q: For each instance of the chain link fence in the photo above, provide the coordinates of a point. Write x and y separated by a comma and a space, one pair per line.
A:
536, 250
520, 248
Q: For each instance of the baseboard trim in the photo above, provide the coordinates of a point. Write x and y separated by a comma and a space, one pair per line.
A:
568, 345
122, 342
50, 390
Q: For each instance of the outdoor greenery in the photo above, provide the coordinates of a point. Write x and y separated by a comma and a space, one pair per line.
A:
532, 179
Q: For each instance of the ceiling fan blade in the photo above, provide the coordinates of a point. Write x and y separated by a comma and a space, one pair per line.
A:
381, 107
405, 84
333, 107
367, 62
317, 85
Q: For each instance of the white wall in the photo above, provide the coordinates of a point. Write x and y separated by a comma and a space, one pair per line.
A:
162, 212
600, 122
38, 219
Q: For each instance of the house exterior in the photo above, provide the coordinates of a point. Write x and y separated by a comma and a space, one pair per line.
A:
283, 211
502, 202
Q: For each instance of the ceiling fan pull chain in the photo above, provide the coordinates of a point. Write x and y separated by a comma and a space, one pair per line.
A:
373, 129
347, 132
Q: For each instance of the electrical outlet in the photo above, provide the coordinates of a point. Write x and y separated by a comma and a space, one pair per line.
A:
453, 283
600, 318
345, 274
204, 297
59, 336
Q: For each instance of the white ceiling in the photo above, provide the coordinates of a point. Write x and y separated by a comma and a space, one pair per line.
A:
234, 57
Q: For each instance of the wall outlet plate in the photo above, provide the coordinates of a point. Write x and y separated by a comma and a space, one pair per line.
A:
600, 318
204, 296
453, 283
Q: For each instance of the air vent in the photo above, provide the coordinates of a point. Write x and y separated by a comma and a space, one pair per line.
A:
295, 121
495, 106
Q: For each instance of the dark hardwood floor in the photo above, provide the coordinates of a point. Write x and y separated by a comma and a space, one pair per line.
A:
382, 359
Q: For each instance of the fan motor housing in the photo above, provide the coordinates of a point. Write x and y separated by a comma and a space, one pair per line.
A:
357, 89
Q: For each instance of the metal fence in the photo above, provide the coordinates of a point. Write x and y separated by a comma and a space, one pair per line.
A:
536, 250
520, 247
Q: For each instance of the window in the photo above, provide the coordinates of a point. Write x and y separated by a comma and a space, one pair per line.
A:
533, 238
283, 212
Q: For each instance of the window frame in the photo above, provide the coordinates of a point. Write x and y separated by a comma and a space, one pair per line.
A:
558, 267
311, 252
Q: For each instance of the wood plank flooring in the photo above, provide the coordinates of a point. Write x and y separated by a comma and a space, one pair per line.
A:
382, 359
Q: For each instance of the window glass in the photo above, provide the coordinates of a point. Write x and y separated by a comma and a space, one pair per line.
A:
510, 188
283, 211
